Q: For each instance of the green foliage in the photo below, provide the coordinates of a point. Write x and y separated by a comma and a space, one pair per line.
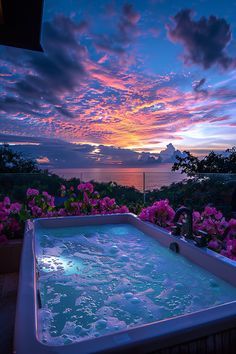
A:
197, 192
14, 162
122, 194
15, 185
212, 163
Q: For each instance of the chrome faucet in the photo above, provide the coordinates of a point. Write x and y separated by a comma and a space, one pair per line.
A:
200, 237
188, 224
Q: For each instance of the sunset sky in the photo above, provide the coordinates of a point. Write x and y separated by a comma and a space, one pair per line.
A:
136, 75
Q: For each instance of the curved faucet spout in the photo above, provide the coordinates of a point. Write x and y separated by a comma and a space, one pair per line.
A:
189, 213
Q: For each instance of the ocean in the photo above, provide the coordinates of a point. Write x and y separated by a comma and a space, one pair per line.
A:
145, 178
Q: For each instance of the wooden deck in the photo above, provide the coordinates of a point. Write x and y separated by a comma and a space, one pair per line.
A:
8, 294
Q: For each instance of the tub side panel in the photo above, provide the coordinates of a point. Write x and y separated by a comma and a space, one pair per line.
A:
25, 341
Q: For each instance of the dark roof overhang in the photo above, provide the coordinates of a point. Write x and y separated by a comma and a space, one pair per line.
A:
20, 23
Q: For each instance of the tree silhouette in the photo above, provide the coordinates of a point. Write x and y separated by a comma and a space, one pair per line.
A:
14, 162
212, 163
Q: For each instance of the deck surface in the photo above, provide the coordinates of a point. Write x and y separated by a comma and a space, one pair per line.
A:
8, 294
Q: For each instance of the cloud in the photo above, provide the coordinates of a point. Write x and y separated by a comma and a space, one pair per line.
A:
51, 74
123, 33
130, 110
198, 87
105, 77
11, 104
71, 94
204, 41
130, 16
55, 153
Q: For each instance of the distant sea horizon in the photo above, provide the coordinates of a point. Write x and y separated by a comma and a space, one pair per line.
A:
155, 176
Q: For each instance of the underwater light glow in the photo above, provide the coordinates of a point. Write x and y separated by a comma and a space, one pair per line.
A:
60, 264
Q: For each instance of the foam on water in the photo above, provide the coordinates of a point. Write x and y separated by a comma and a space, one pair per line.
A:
95, 280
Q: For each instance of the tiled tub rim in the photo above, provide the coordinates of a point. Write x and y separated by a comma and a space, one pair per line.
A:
155, 335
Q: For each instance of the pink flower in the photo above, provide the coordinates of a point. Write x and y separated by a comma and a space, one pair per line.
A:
32, 192
160, 213
49, 199
76, 207
46, 195
86, 198
51, 214
4, 214
231, 246
211, 221
14, 226
36, 211
15, 208
231, 229
209, 211
6, 202
218, 215
51, 202
31, 203
232, 224
42, 205
62, 212
230, 250
85, 187
123, 209
214, 244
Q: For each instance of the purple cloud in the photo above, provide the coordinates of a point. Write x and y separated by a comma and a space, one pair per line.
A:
60, 153
204, 41
125, 31
52, 74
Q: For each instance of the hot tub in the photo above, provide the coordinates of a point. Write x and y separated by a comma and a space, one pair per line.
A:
112, 283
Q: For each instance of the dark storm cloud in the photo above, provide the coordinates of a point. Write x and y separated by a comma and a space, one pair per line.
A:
58, 152
204, 41
118, 153
126, 30
13, 105
53, 73
84, 148
61, 153
64, 54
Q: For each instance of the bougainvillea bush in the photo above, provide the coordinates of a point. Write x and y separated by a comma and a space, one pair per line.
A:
11, 220
84, 200
221, 234
160, 213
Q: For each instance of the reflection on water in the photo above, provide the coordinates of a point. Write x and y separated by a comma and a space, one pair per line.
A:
155, 177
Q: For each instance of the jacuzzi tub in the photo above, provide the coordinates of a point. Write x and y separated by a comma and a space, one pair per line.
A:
212, 327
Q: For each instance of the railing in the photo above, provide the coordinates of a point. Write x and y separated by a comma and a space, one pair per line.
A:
142, 180
215, 189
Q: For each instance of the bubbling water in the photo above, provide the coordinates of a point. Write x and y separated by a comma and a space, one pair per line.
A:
96, 280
